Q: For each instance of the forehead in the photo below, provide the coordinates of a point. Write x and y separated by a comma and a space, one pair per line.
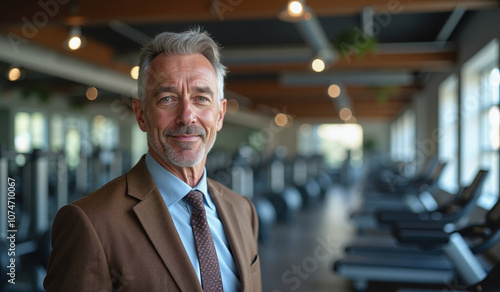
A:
181, 67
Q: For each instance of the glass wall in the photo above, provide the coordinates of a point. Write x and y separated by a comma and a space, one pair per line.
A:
403, 132
448, 133
480, 121
338, 143
30, 131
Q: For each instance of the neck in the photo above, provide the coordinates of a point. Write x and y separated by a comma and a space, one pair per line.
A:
190, 175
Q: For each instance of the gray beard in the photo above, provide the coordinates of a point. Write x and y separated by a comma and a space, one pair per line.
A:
170, 155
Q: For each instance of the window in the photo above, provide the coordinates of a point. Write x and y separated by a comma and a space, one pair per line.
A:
22, 140
75, 131
30, 132
448, 133
403, 132
104, 133
489, 133
480, 120
38, 131
339, 142
56, 133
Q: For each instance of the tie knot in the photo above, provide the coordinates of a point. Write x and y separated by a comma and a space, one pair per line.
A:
195, 199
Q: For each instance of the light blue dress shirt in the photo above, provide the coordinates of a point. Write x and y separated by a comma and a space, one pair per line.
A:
173, 190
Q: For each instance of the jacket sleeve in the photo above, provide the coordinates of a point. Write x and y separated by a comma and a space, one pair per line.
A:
77, 261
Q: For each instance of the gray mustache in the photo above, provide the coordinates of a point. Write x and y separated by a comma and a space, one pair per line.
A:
186, 130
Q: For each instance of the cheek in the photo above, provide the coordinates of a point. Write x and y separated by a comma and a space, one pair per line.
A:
156, 113
158, 119
210, 118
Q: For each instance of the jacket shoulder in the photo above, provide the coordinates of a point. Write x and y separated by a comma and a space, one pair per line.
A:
115, 193
105, 197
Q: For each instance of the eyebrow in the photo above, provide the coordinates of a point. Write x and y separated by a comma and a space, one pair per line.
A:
174, 89
162, 89
204, 89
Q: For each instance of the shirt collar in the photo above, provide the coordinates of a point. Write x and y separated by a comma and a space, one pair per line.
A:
172, 188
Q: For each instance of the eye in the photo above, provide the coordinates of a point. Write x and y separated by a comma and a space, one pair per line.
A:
167, 99
202, 99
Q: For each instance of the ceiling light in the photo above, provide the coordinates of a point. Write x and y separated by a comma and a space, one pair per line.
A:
14, 74
134, 72
334, 91
352, 120
281, 119
295, 11
295, 8
92, 93
345, 114
74, 43
318, 65
75, 40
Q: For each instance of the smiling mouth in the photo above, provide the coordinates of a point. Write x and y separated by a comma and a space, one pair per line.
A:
185, 134
185, 138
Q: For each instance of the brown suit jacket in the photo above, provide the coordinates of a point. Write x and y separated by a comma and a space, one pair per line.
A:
122, 238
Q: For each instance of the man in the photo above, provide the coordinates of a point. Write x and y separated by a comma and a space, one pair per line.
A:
135, 233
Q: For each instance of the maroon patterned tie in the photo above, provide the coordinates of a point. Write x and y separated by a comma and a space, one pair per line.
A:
209, 265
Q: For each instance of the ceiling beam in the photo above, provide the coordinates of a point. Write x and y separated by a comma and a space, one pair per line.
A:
264, 90
368, 78
272, 88
91, 12
367, 92
375, 105
313, 101
362, 105
55, 64
326, 109
428, 62
248, 61
54, 38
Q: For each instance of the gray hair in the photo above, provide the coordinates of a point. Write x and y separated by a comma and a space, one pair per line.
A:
192, 41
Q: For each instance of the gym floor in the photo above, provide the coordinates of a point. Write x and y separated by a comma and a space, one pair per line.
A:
301, 254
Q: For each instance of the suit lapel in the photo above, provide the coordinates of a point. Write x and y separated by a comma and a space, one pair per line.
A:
229, 220
159, 226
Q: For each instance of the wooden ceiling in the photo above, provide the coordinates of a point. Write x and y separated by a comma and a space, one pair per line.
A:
47, 23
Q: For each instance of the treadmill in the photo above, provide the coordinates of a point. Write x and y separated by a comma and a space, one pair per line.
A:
455, 213
444, 256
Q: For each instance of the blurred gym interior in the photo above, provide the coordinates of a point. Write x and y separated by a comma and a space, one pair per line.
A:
366, 133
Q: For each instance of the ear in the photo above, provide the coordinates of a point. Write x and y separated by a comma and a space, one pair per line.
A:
139, 114
220, 115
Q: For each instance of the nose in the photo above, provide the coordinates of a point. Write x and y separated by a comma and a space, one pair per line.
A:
185, 115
